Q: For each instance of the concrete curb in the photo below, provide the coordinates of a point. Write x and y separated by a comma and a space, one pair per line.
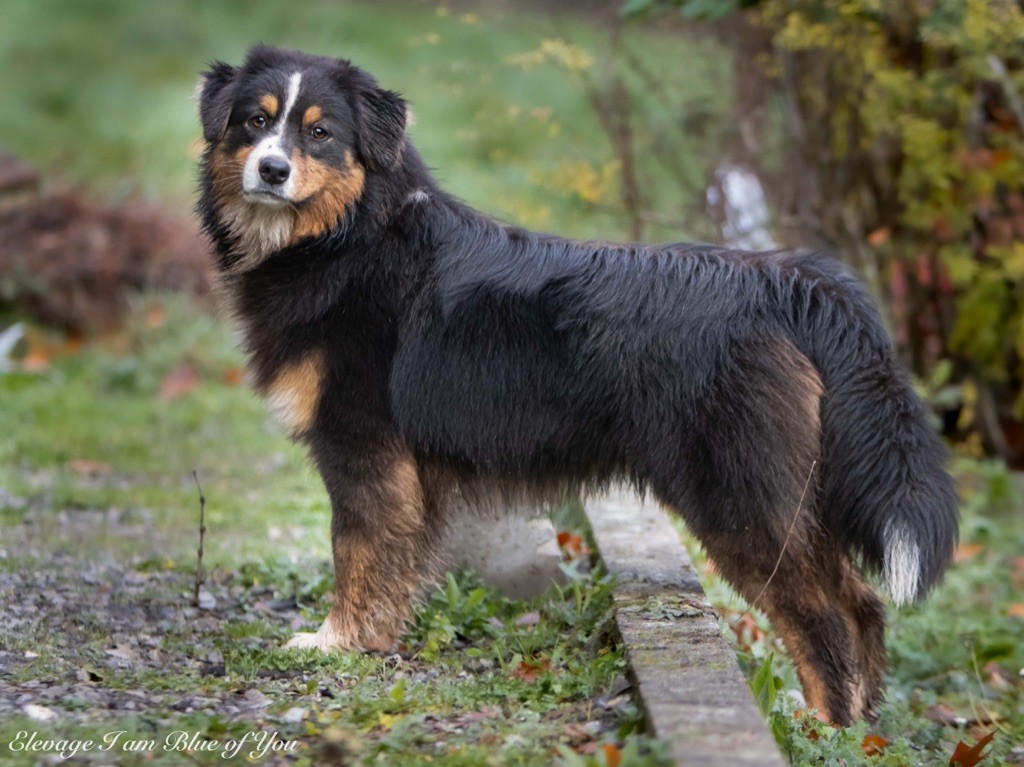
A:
686, 676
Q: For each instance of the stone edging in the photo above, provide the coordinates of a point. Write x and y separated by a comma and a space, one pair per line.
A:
687, 679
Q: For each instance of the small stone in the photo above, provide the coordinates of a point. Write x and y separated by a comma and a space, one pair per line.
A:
39, 713
206, 600
293, 715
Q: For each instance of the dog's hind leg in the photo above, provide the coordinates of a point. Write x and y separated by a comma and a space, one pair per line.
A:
744, 479
865, 618
800, 599
383, 532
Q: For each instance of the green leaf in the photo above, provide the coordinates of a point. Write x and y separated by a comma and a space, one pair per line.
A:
763, 685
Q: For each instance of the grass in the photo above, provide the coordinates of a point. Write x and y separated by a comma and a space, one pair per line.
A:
104, 408
422, 707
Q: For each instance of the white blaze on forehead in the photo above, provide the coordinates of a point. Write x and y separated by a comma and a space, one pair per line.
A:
289, 100
271, 145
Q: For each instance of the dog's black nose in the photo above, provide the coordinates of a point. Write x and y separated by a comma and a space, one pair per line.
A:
274, 170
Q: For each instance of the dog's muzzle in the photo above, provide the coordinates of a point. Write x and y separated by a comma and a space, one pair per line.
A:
268, 177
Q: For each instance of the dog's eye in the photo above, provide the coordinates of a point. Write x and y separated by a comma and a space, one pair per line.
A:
318, 133
257, 121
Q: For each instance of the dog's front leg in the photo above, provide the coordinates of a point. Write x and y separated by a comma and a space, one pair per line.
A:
382, 537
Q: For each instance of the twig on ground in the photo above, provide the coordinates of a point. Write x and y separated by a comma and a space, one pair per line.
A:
785, 543
202, 533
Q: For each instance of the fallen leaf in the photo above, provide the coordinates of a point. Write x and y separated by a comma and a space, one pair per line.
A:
969, 756
996, 678
487, 712
36, 361
873, 745
942, 714
571, 544
156, 316
808, 729
965, 551
234, 376
612, 755
880, 236
746, 630
86, 468
577, 732
179, 382
530, 671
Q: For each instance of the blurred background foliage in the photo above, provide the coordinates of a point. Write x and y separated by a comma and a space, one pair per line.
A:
901, 130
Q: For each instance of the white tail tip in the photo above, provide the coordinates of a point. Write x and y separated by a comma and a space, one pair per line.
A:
902, 565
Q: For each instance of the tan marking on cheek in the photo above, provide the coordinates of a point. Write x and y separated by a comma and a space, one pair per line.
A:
269, 104
294, 393
226, 173
312, 114
328, 194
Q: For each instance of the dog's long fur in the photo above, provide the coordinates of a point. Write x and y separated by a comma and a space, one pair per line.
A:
422, 351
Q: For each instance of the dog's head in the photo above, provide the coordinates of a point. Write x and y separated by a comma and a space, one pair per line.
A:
290, 140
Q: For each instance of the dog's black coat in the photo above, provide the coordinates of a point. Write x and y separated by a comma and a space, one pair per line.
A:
513, 358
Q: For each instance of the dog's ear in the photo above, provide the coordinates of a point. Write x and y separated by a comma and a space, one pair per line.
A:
215, 92
382, 118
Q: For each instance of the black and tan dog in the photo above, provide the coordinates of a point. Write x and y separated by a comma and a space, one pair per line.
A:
425, 352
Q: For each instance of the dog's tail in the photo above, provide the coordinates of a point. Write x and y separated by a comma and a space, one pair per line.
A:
885, 493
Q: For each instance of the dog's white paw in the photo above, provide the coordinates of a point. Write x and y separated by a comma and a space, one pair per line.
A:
329, 639
311, 640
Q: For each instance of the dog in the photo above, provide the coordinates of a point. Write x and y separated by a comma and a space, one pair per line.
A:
428, 355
